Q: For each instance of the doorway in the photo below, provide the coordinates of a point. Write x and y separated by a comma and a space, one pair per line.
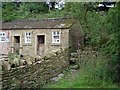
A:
16, 44
40, 44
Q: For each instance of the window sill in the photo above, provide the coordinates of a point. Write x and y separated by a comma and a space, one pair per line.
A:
2, 41
27, 44
56, 44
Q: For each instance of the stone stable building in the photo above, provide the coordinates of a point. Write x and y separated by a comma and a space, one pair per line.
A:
39, 37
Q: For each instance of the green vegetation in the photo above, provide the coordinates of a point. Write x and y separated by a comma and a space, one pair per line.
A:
92, 74
25, 10
102, 32
79, 81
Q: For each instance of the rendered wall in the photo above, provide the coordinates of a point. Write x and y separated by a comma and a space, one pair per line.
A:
31, 49
5, 46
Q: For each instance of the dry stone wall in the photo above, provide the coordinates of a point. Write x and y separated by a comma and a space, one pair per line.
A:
37, 74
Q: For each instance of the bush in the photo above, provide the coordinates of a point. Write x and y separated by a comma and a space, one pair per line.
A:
95, 70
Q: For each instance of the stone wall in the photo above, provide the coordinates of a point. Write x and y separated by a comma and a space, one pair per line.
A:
76, 37
37, 74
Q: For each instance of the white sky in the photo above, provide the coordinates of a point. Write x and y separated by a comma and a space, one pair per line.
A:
65, 0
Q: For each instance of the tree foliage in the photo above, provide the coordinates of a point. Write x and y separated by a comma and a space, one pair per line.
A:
112, 47
14, 10
102, 30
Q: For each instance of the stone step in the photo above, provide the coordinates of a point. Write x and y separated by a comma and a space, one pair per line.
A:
74, 54
73, 59
57, 78
74, 67
22, 62
3, 56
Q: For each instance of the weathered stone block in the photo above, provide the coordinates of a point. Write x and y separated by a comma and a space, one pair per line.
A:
22, 62
6, 65
28, 61
58, 51
38, 58
16, 62
73, 59
61, 75
37, 62
74, 54
75, 67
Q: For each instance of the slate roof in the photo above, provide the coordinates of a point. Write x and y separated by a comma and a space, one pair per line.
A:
39, 24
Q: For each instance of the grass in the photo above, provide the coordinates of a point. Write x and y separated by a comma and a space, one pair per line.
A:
92, 74
72, 80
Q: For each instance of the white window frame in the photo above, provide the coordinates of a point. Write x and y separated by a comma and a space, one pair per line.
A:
2, 35
28, 37
56, 34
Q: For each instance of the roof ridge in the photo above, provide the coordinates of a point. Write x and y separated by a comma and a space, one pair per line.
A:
43, 19
39, 23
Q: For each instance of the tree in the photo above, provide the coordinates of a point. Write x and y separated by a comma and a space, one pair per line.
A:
112, 46
14, 10
8, 11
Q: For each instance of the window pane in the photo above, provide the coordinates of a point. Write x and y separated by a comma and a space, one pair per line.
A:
55, 37
27, 37
57, 32
54, 33
3, 34
2, 38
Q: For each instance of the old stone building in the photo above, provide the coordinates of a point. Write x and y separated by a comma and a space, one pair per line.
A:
39, 37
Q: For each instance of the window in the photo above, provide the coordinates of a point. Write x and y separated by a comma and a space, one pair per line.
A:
56, 37
2, 36
27, 37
